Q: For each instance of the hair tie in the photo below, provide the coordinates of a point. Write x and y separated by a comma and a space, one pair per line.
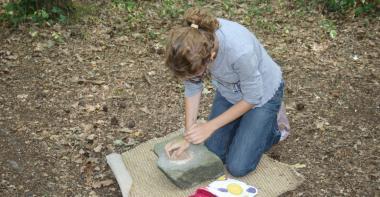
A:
194, 26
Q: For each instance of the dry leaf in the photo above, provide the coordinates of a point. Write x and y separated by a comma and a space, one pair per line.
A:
79, 160
22, 96
299, 165
98, 148
86, 127
125, 130
145, 109
90, 108
80, 59
91, 137
104, 183
138, 134
81, 151
93, 194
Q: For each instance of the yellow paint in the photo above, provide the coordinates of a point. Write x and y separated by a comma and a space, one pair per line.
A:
234, 189
222, 178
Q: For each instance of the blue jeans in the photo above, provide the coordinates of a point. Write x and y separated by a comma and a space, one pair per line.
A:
241, 143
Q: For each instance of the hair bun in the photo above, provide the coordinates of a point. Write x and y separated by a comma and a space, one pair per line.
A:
202, 18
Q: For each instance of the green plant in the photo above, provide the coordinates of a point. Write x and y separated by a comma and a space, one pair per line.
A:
367, 7
265, 24
329, 27
228, 6
135, 14
359, 7
153, 35
57, 37
200, 2
128, 5
339, 5
38, 11
173, 8
83, 10
259, 8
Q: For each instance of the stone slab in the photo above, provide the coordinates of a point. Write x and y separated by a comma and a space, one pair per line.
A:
198, 166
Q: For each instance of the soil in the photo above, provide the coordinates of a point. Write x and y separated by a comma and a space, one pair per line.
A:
71, 94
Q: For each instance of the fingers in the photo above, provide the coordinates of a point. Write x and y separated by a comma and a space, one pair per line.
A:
189, 138
181, 149
194, 139
191, 129
170, 148
167, 149
190, 133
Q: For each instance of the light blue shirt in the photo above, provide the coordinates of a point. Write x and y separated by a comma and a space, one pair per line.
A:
242, 70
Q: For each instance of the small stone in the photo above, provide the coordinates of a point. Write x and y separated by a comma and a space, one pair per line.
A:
3, 132
114, 121
160, 51
131, 124
81, 103
105, 108
14, 165
28, 194
41, 95
300, 106
198, 164
123, 105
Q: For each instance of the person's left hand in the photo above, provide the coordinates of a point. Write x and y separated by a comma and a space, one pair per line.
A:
198, 133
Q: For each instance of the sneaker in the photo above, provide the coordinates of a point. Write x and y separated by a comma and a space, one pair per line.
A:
283, 122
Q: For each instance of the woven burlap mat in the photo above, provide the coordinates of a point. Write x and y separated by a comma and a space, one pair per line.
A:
271, 177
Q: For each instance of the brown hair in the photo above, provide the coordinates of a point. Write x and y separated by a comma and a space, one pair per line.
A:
189, 49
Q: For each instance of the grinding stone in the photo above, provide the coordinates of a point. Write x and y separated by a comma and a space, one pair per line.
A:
201, 165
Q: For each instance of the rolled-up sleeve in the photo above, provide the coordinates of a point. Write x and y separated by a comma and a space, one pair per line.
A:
192, 88
251, 83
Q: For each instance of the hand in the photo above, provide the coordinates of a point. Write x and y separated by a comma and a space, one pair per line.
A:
175, 148
198, 133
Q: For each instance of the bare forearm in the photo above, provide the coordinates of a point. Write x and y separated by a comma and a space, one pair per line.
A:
191, 109
231, 114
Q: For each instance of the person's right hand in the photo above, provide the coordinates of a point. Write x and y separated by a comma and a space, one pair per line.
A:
175, 148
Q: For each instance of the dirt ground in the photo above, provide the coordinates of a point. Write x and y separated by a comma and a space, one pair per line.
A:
71, 94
